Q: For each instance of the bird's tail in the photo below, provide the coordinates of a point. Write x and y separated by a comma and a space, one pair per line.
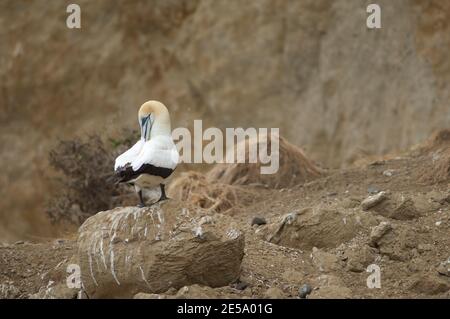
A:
115, 178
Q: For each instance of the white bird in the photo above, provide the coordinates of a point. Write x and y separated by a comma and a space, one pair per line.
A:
154, 157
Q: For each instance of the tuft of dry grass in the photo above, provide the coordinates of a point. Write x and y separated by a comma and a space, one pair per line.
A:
194, 187
294, 168
222, 188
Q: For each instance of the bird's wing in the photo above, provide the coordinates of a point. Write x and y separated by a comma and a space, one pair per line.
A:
129, 156
160, 152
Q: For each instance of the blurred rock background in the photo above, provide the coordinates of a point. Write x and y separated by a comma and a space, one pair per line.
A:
310, 67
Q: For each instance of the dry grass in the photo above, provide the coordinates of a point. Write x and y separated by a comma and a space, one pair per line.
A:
193, 187
294, 168
222, 188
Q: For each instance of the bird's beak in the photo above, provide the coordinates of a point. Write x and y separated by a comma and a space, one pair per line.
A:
147, 123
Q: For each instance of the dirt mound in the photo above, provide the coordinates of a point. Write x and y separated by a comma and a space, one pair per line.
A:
439, 139
436, 154
396, 206
316, 227
440, 170
294, 167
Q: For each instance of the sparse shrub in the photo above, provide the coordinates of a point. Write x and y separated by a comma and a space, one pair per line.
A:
87, 181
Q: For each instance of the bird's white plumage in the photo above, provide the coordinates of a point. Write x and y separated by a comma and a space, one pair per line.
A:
130, 155
160, 151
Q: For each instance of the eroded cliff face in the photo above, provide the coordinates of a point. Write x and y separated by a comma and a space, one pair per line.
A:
310, 67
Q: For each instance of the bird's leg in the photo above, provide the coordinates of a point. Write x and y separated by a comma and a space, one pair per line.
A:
163, 193
141, 199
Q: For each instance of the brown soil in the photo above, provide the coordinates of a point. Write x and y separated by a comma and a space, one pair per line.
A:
409, 252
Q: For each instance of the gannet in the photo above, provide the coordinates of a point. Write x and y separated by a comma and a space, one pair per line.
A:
154, 157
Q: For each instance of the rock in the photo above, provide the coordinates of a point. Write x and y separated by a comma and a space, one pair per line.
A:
373, 200
142, 295
372, 190
444, 268
378, 232
398, 243
430, 285
324, 261
129, 250
304, 291
59, 241
240, 285
258, 221
405, 210
274, 293
359, 257
389, 172
331, 292
397, 206
316, 227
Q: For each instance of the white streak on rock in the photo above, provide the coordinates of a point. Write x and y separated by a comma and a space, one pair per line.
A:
111, 258
143, 276
112, 267
102, 252
198, 231
233, 233
90, 268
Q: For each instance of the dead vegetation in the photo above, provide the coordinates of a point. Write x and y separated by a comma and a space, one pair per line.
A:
223, 189
194, 187
294, 168
86, 180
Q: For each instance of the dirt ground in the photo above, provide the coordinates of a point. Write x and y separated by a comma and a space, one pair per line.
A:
321, 233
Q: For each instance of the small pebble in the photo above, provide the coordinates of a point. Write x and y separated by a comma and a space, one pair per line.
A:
258, 221
241, 285
304, 291
373, 200
388, 172
332, 194
373, 190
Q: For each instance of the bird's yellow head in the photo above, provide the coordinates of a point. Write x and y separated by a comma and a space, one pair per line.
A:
153, 116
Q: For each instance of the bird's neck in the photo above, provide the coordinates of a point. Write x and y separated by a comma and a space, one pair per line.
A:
161, 125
